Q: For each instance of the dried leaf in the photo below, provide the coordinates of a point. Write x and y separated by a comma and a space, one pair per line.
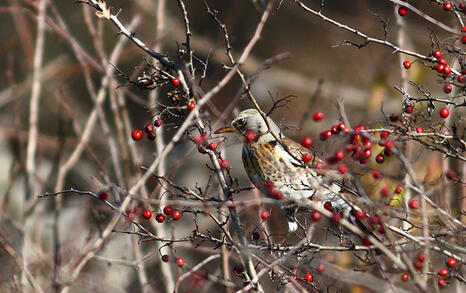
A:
105, 13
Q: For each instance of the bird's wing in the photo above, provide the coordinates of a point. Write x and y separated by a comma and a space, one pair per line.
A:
297, 150
330, 176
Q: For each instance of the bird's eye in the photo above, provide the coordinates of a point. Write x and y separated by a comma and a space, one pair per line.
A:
241, 122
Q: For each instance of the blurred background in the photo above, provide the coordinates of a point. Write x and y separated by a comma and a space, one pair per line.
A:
321, 69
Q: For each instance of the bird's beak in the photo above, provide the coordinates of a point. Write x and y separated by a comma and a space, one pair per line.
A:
225, 129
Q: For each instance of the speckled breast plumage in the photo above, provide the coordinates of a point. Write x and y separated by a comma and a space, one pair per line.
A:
269, 162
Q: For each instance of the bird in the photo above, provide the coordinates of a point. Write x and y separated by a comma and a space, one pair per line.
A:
273, 164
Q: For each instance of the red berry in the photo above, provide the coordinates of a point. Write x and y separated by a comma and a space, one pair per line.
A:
306, 157
440, 68
334, 129
463, 39
366, 241
250, 136
180, 261
349, 148
376, 174
389, 144
394, 117
276, 194
384, 134
151, 136
462, 6
441, 282
103, 195
316, 216
325, 134
212, 146
384, 192
306, 142
417, 265
450, 174
342, 126
308, 277
447, 70
367, 144
437, 54
346, 130
407, 64
360, 214
442, 61
147, 214
269, 185
402, 11
414, 204
405, 277
367, 153
447, 88
461, 78
199, 138
374, 220
409, 109
336, 217
160, 217
158, 123
265, 215
238, 270
165, 258
321, 268
319, 115
339, 155
451, 262
342, 168
355, 138
381, 229
419, 130
191, 106
328, 205
149, 128
176, 215
447, 6
443, 272
224, 164
176, 81
444, 112
379, 159
168, 210
421, 257
136, 134
256, 236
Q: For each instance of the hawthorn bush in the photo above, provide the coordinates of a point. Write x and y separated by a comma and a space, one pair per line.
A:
117, 181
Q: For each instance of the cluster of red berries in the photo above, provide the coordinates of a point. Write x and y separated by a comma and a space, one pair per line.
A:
179, 261
442, 66
447, 6
148, 129
418, 263
200, 140
160, 217
359, 146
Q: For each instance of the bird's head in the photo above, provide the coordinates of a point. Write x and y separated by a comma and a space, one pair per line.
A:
251, 119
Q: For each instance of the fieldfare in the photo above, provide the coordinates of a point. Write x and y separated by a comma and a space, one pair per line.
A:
276, 169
